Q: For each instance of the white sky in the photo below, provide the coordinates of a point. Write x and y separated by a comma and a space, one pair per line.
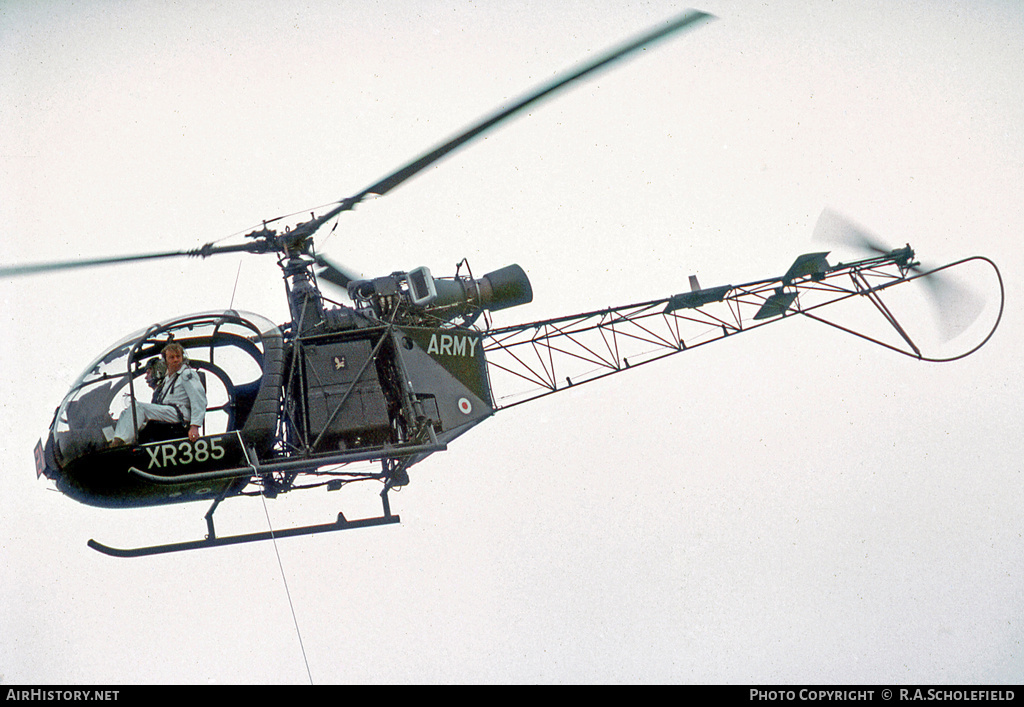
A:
790, 506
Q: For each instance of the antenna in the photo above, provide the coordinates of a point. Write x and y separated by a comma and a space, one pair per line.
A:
234, 289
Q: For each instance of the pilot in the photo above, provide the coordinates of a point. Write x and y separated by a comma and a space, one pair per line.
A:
156, 373
179, 399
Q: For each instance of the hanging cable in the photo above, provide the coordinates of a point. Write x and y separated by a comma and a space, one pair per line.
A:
287, 593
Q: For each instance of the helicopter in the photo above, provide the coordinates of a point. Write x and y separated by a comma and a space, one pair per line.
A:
411, 364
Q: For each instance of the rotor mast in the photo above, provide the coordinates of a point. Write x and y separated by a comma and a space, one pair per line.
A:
296, 259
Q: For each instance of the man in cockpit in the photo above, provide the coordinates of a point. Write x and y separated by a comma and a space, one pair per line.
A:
156, 373
179, 399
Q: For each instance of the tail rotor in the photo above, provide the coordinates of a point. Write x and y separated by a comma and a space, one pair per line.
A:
955, 305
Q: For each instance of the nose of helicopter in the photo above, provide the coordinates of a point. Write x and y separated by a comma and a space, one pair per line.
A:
46, 464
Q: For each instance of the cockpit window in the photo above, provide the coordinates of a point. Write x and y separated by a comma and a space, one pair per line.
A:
225, 348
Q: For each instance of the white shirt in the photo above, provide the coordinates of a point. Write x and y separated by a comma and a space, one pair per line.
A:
184, 391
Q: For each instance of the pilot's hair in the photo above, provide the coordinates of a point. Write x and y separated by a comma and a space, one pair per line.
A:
173, 346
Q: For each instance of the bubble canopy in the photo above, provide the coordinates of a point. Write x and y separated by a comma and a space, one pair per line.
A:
227, 348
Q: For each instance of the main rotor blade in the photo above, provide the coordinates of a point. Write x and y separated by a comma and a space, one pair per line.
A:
334, 273
395, 178
259, 246
411, 169
32, 268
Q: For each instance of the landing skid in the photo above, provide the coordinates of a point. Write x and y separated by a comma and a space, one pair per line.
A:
340, 524
213, 541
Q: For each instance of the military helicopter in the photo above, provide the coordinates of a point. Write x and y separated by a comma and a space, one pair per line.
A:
412, 363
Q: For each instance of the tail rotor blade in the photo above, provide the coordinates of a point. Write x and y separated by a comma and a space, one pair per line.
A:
955, 305
833, 227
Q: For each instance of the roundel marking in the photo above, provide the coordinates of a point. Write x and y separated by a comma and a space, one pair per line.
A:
465, 407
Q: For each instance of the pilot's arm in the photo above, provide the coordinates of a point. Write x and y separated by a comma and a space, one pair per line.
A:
196, 401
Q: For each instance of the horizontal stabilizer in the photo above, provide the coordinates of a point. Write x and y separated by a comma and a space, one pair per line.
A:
697, 298
807, 264
776, 304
